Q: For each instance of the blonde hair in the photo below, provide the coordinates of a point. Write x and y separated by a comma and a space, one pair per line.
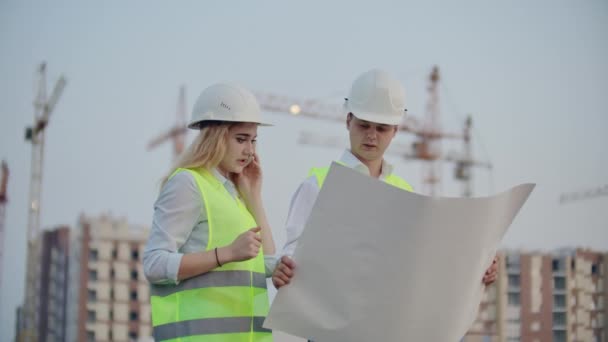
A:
206, 151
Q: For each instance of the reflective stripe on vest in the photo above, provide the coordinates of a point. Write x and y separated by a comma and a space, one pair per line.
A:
213, 279
211, 326
228, 303
321, 172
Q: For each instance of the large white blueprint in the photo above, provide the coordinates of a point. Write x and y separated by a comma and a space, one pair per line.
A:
376, 263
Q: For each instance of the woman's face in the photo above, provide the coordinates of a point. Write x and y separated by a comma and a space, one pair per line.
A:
239, 149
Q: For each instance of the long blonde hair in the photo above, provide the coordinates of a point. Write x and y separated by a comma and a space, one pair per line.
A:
206, 151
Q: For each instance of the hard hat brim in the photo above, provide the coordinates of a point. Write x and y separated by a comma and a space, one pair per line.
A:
197, 124
378, 117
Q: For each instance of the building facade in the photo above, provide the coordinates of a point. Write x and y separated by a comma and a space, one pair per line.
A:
52, 312
109, 296
545, 296
46, 322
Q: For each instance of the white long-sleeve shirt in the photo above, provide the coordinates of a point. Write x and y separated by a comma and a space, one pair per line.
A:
306, 195
179, 226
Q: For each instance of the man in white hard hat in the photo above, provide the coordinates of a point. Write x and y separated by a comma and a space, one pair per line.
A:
375, 108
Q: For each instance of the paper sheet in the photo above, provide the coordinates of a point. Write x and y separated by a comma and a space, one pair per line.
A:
376, 263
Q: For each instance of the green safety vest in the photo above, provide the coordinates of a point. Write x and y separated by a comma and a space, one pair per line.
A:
321, 172
226, 304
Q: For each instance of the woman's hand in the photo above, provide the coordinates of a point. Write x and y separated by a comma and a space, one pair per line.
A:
249, 181
246, 246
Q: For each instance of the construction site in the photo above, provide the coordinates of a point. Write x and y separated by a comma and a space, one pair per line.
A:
77, 189
85, 283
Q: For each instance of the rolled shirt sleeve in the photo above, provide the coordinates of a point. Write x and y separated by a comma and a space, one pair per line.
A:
177, 211
301, 205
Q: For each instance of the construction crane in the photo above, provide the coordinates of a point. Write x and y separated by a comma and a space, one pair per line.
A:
426, 147
3, 201
428, 133
177, 133
464, 161
311, 108
586, 194
268, 102
43, 107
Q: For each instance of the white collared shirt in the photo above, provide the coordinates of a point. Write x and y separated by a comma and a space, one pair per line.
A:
306, 195
179, 226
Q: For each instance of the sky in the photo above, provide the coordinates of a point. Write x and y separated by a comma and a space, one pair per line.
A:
533, 76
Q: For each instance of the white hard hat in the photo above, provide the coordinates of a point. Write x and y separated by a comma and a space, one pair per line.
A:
226, 102
377, 97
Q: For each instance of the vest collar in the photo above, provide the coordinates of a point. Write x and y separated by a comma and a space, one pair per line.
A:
349, 159
225, 182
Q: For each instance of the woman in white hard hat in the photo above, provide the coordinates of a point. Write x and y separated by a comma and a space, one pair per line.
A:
205, 254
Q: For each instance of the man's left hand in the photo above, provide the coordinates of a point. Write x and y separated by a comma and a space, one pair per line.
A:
491, 273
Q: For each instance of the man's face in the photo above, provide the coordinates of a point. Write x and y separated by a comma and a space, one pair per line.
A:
369, 140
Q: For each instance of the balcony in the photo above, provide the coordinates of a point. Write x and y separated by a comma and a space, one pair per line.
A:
513, 289
559, 273
559, 327
513, 269
560, 291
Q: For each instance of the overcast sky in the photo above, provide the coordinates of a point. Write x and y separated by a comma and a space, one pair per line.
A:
532, 75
